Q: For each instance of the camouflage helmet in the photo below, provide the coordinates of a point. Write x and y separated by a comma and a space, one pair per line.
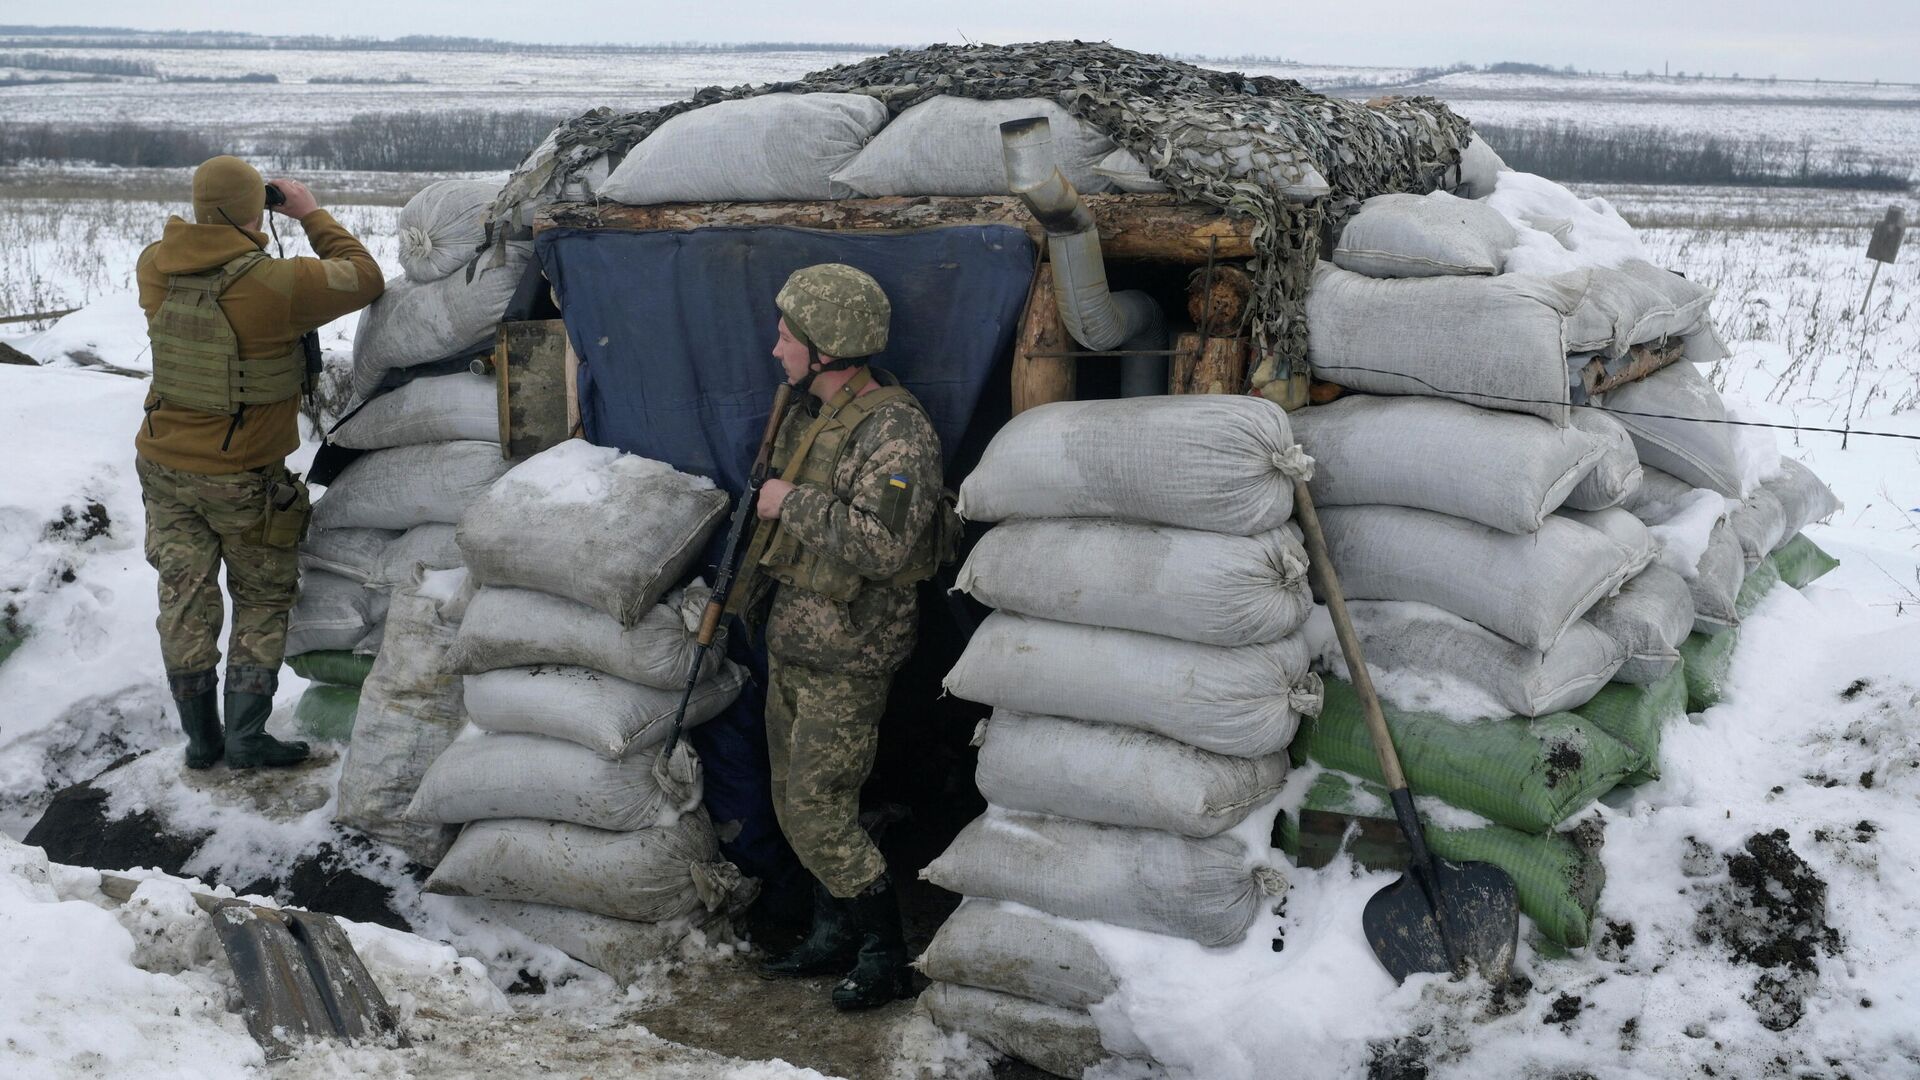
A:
838, 310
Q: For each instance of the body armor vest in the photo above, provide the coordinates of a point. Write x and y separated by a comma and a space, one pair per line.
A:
196, 357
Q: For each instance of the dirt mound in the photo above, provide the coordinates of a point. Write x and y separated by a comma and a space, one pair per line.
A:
1771, 913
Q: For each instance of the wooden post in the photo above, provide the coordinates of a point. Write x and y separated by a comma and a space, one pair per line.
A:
1207, 365
1040, 379
536, 406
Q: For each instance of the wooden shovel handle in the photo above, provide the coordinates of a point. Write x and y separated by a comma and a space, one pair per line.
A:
1322, 567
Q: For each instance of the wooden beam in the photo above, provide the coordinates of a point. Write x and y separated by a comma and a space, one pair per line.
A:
530, 362
1040, 379
1207, 365
1131, 226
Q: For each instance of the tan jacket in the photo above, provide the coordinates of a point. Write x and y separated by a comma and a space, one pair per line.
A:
269, 308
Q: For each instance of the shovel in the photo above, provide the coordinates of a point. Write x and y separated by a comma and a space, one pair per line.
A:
299, 977
1439, 915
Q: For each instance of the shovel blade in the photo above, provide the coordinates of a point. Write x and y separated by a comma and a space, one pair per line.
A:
299, 977
1476, 905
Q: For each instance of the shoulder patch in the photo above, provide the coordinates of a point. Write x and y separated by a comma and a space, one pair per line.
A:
342, 276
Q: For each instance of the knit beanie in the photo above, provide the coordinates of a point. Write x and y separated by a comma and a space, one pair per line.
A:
227, 184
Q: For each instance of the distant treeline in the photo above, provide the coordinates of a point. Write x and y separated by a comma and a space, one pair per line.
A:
364, 80
1653, 155
124, 144
249, 77
83, 37
464, 140
88, 65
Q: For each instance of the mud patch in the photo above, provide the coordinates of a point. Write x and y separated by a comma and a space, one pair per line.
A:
89, 522
1564, 1011
1563, 760
1404, 1058
1771, 913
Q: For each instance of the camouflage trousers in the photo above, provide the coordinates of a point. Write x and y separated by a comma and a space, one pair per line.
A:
822, 733
195, 524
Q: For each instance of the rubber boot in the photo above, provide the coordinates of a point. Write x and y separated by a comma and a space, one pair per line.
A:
880, 973
829, 946
197, 696
249, 702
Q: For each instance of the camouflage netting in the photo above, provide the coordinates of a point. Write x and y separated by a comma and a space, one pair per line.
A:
1219, 138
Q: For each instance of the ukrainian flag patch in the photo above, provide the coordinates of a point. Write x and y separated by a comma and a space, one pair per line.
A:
898, 480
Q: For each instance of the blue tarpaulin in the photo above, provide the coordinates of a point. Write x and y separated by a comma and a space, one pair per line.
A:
675, 330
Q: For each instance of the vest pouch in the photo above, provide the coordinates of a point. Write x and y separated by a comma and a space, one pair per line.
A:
289, 509
791, 565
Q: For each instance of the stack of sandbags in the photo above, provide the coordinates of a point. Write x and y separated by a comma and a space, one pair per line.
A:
1147, 673
572, 655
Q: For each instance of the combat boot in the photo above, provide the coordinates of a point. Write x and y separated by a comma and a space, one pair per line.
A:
880, 973
249, 701
197, 696
829, 945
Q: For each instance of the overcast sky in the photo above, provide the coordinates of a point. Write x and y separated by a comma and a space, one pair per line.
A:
1834, 39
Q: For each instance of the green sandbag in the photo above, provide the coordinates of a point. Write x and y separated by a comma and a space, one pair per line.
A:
1800, 561
1706, 660
336, 666
1760, 581
1558, 876
1529, 774
1635, 714
9, 642
326, 711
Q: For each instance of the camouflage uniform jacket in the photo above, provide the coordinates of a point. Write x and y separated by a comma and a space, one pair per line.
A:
886, 487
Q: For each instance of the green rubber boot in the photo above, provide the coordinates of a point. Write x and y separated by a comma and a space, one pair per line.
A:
829, 945
880, 972
249, 702
197, 696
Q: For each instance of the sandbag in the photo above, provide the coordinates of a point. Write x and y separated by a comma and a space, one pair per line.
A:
1635, 715
1243, 701
1118, 776
756, 149
1527, 589
1804, 499
1649, 617
420, 322
1695, 449
444, 408
1558, 876
1759, 523
350, 553
1800, 561
608, 715
951, 146
1208, 587
1479, 171
1126, 172
1503, 470
1431, 235
993, 947
409, 485
1622, 528
1716, 582
332, 613
1062, 1042
431, 546
1525, 681
1755, 587
1636, 303
1207, 890
335, 667
521, 628
409, 713
622, 948
1616, 475
1213, 462
530, 776
650, 875
443, 227
1706, 659
326, 711
1495, 342
1528, 774
614, 531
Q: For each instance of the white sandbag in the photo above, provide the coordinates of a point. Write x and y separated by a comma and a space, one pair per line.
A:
1497, 342
608, 715
530, 776
1117, 775
1126, 172
1622, 528
1061, 1042
650, 875
614, 531
443, 227
438, 409
1479, 171
1650, 616
1423, 639
1527, 589
1501, 469
774, 146
1214, 462
622, 948
1716, 582
1617, 474
1197, 586
1696, 449
993, 947
1759, 523
1804, 499
1635, 303
1243, 701
951, 146
418, 323
430, 546
409, 713
1661, 495
333, 612
409, 485
351, 553
1207, 890
1399, 236
521, 628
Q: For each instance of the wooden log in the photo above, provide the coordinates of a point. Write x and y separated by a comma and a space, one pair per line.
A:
1207, 365
1131, 226
1186, 357
1219, 306
1037, 378
1642, 361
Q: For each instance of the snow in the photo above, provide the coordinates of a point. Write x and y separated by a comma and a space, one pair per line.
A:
1683, 537
109, 334
1558, 230
577, 471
